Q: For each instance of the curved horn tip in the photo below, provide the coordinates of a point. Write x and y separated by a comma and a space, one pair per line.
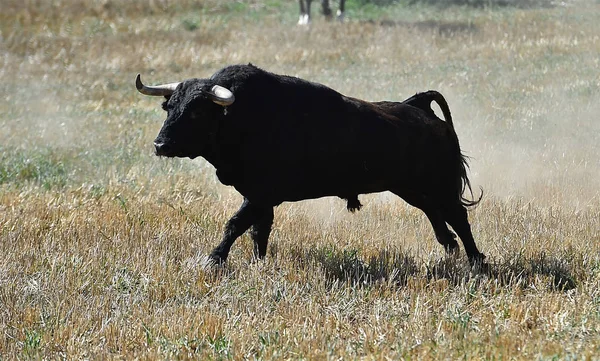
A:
138, 82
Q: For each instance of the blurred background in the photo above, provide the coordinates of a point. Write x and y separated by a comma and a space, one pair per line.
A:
521, 78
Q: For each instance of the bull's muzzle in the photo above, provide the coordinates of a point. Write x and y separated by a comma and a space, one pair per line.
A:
161, 149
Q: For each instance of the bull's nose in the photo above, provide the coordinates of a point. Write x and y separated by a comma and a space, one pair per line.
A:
161, 148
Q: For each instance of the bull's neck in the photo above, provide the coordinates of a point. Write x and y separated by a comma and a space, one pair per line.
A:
219, 149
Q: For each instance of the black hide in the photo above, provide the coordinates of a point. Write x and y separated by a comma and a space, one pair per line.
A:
287, 139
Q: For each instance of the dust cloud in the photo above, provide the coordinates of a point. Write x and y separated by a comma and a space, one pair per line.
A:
39, 121
549, 152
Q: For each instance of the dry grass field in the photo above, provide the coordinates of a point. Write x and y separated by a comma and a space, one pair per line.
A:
103, 245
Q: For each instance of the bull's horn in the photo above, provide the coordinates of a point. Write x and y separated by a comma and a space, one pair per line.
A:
221, 95
158, 90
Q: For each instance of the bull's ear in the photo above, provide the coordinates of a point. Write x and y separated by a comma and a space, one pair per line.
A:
221, 95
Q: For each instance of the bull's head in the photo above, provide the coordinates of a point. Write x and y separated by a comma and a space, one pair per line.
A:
193, 107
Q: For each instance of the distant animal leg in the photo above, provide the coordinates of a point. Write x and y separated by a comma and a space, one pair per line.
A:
236, 226
340, 12
260, 233
302, 7
326, 9
456, 216
304, 12
443, 235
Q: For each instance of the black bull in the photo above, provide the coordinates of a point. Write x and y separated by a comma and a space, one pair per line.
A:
278, 138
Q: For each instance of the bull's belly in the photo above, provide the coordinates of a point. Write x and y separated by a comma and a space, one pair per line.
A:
298, 194
297, 185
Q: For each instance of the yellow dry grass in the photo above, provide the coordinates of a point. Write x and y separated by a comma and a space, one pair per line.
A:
103, 245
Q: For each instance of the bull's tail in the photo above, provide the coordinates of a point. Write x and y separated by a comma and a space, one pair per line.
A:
465, 183
423, 101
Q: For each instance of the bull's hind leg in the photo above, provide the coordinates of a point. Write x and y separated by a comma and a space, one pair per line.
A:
456, 216
443, 235
246, 216
260, 233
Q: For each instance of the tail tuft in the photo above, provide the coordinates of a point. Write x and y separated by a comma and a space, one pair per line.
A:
466, 184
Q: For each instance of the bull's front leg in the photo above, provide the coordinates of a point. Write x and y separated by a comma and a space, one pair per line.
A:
260, 232
246, 216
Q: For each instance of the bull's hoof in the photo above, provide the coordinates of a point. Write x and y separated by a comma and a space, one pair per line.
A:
477, 261
452, 249
259, 256
217, 258
353, 204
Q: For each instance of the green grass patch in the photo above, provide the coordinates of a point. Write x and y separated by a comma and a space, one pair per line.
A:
44, 167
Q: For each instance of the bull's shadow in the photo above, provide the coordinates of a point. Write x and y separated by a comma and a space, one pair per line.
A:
517, 271
347, 265
397, 268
